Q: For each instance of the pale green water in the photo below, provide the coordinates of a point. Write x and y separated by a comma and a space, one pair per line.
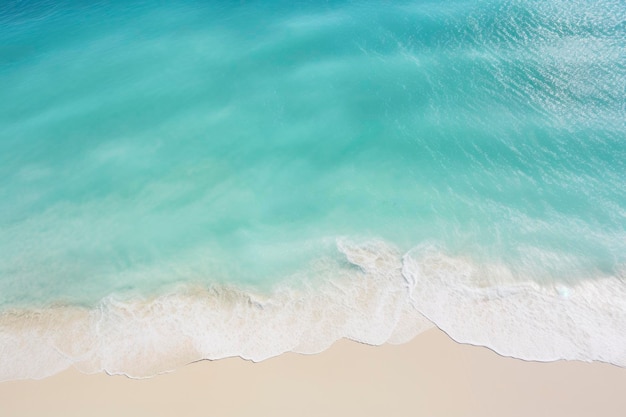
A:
145, 145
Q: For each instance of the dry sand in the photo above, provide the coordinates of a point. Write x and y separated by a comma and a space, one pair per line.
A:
430, 376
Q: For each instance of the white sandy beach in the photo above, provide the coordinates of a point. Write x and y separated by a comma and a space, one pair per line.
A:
430, 376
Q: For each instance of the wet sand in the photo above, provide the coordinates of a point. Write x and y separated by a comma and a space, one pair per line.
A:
430, 376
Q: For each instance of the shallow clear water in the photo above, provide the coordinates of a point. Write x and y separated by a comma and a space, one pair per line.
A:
144, 146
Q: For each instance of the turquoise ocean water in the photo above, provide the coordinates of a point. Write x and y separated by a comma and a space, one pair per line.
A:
296, 172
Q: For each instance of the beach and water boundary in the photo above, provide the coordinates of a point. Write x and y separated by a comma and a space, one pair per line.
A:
376, 296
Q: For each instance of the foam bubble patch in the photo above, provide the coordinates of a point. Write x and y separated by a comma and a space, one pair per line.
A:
486, 305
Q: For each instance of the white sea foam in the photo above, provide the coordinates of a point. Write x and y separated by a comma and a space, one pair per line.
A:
374, 296
485, 305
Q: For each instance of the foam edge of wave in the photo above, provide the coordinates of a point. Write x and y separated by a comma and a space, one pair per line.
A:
378, 296
364, 300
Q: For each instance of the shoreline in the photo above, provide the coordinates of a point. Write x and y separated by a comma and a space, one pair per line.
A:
377, 296
431, 374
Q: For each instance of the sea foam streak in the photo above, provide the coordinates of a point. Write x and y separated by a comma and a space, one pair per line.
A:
377, 296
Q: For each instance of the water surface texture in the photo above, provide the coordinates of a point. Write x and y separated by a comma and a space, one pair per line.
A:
201, 179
